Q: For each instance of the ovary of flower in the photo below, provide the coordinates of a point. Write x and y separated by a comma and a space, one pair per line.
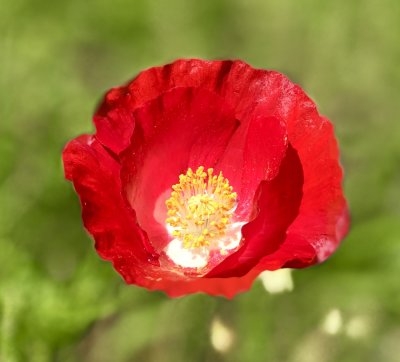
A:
200, 208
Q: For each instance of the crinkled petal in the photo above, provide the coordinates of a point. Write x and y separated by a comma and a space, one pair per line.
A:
95, 175
114, 121
243, 87
176, 286
323, 218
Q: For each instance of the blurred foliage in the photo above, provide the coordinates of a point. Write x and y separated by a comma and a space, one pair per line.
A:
60, 302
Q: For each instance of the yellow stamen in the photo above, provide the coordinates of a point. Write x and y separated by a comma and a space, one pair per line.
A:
200, 207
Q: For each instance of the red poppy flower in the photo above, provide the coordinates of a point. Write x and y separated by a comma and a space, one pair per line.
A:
202, 174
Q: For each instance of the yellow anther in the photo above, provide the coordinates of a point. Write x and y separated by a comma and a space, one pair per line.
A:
200, 207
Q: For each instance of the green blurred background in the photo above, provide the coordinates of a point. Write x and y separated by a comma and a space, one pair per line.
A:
60, 302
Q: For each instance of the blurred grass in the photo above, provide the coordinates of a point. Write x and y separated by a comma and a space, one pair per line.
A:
59, 302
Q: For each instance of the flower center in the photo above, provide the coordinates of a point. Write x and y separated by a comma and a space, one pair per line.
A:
200, 208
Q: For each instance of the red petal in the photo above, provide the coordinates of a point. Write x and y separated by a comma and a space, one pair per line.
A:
95, 175
243, 87
254, 154
295, 252
278, 204
176, 286
114, 121
183, 128
323, 217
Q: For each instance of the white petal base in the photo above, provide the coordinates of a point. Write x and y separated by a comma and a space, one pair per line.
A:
187, 258
199, 257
